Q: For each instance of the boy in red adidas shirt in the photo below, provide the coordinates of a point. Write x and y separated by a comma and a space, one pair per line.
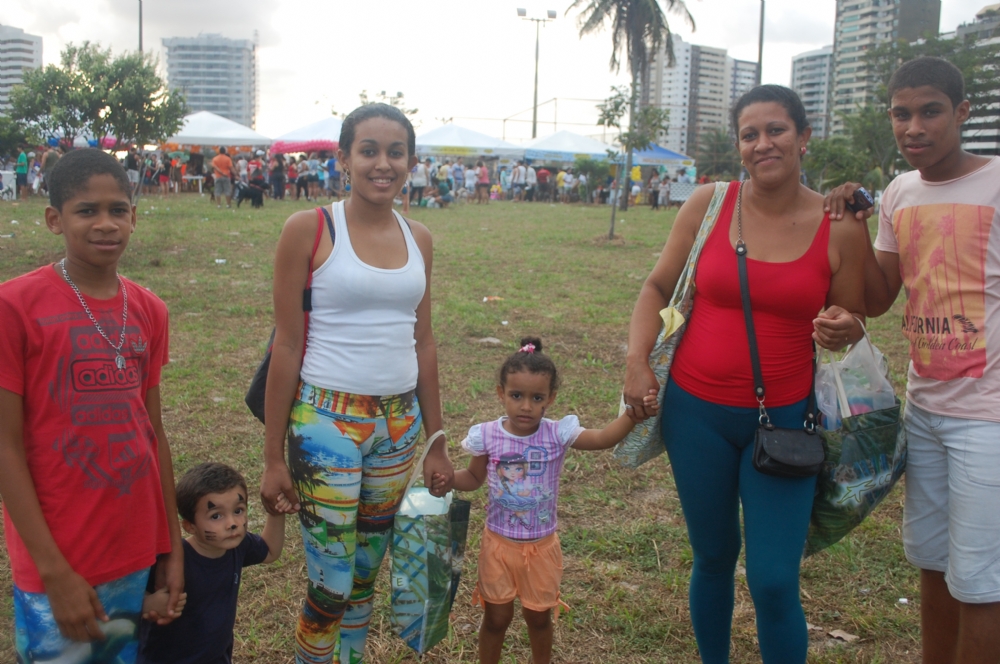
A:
85, 470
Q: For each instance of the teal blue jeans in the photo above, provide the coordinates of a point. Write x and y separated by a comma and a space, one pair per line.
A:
710, 449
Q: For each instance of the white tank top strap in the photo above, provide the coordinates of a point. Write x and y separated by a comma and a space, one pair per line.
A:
342, 243
361, 327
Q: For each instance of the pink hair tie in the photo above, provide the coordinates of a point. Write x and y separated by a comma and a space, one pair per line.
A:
527, 348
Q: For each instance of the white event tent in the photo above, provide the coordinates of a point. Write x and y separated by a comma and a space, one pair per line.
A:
454, 141
322, 135
205, 128
566, 146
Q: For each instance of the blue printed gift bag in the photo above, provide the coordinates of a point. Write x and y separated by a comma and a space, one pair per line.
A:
428, 547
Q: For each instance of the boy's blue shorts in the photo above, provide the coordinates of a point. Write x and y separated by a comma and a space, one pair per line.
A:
38, 638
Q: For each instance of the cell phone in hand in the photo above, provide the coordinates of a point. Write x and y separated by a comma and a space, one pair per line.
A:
862, 201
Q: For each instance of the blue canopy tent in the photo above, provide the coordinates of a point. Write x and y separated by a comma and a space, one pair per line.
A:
659, 156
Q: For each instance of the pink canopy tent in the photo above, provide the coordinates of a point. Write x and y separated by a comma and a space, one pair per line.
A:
322, 135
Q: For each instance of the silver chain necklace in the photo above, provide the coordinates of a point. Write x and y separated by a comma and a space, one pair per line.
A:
119, 360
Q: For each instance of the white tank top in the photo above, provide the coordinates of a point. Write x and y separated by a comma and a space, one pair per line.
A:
362, 319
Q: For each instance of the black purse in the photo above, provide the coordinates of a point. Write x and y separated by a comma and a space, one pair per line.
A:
258, 384
778, 452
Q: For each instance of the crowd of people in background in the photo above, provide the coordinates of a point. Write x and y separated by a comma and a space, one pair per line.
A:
438, 183
434, 182
31, 171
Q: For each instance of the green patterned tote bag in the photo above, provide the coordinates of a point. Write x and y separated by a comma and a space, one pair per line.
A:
862, 428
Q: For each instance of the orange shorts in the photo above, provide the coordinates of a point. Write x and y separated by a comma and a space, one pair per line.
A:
530, 571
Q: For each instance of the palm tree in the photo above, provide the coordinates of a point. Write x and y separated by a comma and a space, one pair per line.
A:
717, 153
639, 28
305, 471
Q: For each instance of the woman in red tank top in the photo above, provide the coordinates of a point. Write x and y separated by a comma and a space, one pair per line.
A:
806, 281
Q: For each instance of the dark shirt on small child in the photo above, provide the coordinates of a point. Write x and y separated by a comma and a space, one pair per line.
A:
204, 632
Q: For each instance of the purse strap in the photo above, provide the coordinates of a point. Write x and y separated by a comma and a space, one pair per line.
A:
758, 376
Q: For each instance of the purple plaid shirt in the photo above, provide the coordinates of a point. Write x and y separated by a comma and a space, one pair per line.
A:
523, 474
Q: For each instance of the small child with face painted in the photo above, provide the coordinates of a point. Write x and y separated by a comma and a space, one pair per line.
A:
212, 502
521, 455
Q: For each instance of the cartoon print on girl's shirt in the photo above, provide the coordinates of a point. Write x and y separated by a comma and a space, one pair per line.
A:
517, 494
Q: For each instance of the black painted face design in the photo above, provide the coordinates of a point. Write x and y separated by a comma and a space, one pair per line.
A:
221, 519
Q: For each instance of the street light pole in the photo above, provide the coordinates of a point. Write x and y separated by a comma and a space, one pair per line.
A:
538, 21
534, 108
760, 45
140, 26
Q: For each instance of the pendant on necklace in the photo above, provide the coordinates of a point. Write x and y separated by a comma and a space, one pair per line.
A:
120, 362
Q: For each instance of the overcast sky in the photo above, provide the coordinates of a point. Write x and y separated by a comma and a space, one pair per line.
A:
471, 61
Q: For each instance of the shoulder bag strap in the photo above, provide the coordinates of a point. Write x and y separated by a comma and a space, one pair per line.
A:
682, 290
758, 376
321, 213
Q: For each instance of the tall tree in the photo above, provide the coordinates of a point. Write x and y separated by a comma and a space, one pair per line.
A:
638, 29
874, 145
644, 127
50, 99
717, 154
832, 161
138, 106
103, 95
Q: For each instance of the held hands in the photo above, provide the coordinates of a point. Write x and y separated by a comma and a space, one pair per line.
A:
276, 491
439, 474
835, 202
835, 328
75, 607
155, 605
649, 405
168, 578
641, 388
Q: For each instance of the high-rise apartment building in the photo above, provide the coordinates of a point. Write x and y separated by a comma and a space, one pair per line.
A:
709, 96
18, 51
811, 76
864, 24
670, 88
742, 77
981, 133
698, 90
215, 74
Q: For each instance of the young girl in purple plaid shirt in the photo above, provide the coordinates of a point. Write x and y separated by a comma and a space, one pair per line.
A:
521, 456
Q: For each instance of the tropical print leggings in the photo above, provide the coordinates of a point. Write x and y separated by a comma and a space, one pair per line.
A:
350, 456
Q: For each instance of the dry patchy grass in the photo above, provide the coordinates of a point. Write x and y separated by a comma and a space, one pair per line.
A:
626, 552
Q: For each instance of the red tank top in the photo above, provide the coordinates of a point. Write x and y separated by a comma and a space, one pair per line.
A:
713, 358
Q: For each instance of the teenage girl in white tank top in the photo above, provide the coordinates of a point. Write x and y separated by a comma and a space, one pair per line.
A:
353, 406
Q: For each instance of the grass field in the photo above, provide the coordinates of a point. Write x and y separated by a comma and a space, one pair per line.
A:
627, 560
